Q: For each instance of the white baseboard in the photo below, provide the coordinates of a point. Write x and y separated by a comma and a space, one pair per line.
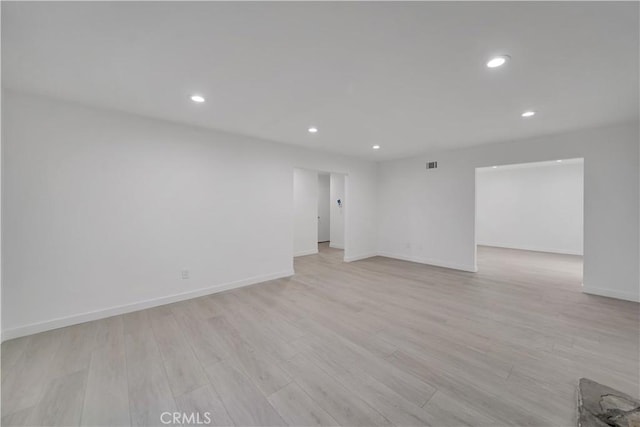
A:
436, 263
359, 257
61, 322
332, 245
307, 252
531, 248
611, 293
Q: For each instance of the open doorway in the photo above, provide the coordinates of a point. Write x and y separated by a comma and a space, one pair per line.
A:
531, 216
324, 208
319, 212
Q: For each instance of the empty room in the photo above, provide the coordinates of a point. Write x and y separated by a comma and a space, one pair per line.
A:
538, 210
320, 213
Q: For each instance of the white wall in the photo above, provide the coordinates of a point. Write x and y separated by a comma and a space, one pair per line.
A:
324, 217
1, 186
305, 212
102, 210
534, 206
429, 216
336, 192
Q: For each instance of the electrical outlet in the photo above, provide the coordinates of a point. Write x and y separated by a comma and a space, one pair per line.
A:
185, 274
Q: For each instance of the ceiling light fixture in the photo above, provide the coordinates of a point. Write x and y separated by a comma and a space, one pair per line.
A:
528, 114
559, 161
313, 130
376, 147
494, 167
498, 61
197, 98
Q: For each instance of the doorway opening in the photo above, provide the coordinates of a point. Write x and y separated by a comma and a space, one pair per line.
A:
531, 216
324, 207
319, 212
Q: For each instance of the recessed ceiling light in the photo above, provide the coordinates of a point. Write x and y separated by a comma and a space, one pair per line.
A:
197, 98
528, 114
559, 161
376, 147
495, 167
313, 130
498, 61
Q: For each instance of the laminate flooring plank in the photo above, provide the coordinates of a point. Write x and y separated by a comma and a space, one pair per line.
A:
260, 367
205, 404
259, 336
481, 396
149, 391
387, 402
26, 379
12, 351
197, 331
61, 403
373, 342
20, 418
181, 365
245, 404
445, 410
355, 358
76, 346
106, 400
347, 408
298, 409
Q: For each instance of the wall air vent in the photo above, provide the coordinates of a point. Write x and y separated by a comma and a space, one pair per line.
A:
432, 165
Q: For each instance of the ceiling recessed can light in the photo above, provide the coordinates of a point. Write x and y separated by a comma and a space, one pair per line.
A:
197, 98
497, 61
376, 147
313, 129
528, 114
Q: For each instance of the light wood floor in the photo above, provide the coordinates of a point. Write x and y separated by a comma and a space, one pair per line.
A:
374, 342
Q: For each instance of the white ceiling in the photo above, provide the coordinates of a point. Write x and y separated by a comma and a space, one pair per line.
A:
554, 163
408, 76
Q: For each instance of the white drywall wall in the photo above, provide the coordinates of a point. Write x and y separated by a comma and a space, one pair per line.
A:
336, 192
324, 216
102, 210
534, 206
1, 186
429, 216
305, 212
